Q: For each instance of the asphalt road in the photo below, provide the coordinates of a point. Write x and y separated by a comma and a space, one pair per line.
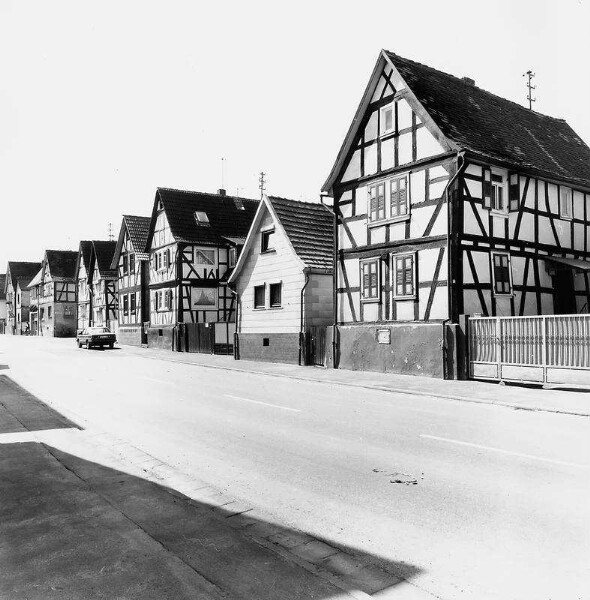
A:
468, 500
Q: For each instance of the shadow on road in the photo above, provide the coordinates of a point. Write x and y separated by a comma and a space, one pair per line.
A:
72, 528
21, 411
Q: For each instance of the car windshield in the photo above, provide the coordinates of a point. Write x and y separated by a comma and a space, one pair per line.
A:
98, 330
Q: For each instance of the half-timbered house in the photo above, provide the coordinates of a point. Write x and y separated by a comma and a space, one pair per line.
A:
283, 281
451, 200
3, 303
53, 295
18, 277
193, 243
131, 261
102, 284
83, 290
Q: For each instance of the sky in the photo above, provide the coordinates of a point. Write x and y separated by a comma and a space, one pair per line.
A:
103, 102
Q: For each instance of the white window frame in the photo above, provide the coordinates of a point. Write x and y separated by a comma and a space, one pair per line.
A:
568, 214
232, 257
263, 306
270, 285
393, 271
382, 130
269, 231
387, 185
510, 293
362, 263
499, 186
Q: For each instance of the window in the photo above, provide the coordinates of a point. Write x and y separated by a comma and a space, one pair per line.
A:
132, 303
565, 203
387, 119
132, 263
259, 300
370, 280
377, 202
398, 197
404, 275
125, 265
205, 257
126, 304
233, 257
498, 202
166, 259
501, 273
389, 200
49, 312
267, 240
275, 294
494, 192
201, 217
156, 301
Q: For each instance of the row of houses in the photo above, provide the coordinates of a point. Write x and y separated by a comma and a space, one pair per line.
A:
444, 201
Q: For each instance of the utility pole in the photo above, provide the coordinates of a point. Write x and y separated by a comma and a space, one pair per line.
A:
262, 183
529, 74
222, 173
111, 236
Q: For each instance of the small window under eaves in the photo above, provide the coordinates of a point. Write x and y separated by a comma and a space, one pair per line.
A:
201, 217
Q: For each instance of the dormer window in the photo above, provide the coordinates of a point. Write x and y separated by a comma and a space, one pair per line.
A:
201, 217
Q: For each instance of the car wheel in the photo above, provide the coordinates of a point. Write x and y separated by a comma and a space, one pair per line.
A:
88, 345
111, 345
79, 344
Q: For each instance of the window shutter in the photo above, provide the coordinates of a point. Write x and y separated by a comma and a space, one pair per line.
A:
372, 204
513, 191
487, 188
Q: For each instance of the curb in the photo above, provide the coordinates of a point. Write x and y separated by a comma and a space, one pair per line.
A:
380, 388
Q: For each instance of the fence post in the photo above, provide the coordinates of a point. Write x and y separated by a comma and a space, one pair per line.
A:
544, 347
499, 347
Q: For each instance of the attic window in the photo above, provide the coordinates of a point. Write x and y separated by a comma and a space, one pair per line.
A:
239, 204
201, 217
387, 119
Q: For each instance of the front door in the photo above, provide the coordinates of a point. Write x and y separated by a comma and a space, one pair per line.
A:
564, 299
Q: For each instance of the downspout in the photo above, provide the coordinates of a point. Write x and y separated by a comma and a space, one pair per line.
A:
237, 331
450, 281
335, 291
301, 332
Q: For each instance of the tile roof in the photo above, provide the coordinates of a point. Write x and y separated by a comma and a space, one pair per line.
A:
102, 255
310, 228
229, 216
2, 286
62, 263
84, 251
22, 272
487, 124
138, 229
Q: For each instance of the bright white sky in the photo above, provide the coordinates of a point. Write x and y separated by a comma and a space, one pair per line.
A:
102, 102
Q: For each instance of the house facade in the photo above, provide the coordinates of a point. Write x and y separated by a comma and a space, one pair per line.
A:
102, 283
193, 241
18, 277
451, 201
53, 295
82, 287
283, 280
131, 262
3, 311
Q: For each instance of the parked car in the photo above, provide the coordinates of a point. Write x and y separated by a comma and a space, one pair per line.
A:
96, 336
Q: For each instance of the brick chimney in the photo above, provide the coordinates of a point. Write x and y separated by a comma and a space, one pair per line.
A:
468, 80
221, 192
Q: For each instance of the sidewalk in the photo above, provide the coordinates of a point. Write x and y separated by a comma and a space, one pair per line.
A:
86, 515
521, 397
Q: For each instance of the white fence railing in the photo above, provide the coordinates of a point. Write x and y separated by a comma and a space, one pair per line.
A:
549, 349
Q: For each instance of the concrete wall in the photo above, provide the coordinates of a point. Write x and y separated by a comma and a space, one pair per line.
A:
160, 337
129, 335
415, 349
282, 347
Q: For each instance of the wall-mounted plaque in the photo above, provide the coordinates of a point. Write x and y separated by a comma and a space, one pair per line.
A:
384, 336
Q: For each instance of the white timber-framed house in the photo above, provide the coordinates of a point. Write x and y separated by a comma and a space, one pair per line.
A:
193, 243
102, 284
283, 280
82, 287
131, 261
18, 277
450, 201
53, 295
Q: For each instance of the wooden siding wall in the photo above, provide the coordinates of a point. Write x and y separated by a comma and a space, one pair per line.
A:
527, 234
259, 268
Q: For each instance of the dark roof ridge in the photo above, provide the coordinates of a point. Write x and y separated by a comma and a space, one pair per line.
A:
306, 202
528, 110
212, 194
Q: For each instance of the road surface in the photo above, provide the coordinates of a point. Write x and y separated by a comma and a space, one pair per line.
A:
466, 500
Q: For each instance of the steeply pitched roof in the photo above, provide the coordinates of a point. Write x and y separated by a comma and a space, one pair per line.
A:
22, 271
138, 229
62, 263
465, 117
480, 121
2, 286
102, 257
310, 229
229, 216
83, 255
